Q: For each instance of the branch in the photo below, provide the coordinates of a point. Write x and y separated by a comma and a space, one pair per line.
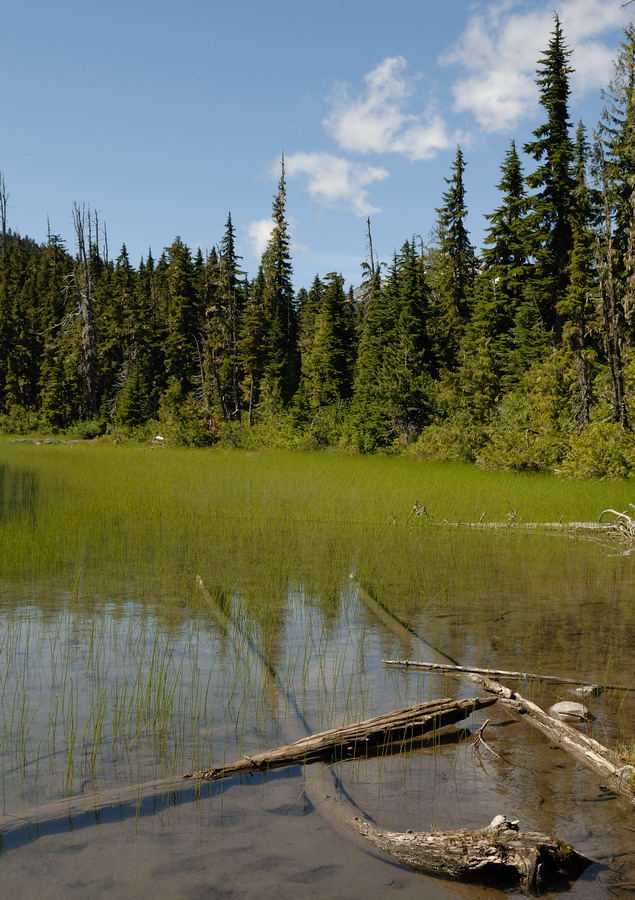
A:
523, 676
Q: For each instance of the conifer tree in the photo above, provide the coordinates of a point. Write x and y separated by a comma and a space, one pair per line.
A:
552, 203
268, 339
576, 308
281, 359
113, 327
58, 375
183, 317
253, 328
611, 294
453, 266
501, 284
392, 375
617, 132
222, 317
84, 282
326, 340
22, 329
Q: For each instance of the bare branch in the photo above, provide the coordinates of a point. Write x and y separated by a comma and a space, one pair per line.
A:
4, 201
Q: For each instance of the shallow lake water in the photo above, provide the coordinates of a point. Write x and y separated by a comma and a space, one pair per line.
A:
116, 671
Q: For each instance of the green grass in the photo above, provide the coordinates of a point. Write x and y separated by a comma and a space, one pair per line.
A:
118, 667
95, 500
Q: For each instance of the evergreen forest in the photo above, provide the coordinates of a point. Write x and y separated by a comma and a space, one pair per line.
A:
519, 356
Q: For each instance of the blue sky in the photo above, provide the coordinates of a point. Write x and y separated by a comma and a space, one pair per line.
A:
164, 117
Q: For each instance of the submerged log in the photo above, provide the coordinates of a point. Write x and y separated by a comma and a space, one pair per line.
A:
353, 741
498, 855
600, 760
614, 774
388, 733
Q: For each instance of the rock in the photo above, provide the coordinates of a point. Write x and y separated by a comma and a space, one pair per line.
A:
587, 690
569, 711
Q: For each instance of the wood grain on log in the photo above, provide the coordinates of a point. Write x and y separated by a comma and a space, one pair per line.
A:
498, 855
360, 739
354, 741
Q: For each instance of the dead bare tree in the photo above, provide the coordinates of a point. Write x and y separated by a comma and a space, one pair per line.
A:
83, 281
608, 294
4, 201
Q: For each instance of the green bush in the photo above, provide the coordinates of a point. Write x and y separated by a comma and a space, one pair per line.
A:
449, 440
87, 430
604, 450
21, 421
182, 420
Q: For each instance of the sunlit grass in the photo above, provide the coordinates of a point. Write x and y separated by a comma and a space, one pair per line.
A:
115, 669
170, 509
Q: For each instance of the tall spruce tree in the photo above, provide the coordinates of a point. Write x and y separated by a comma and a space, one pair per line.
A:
501, 284
577, 307
326, 340
87, 271
392, 375
269, 324
453, 266
611, 292
281, 363
223, 314
552, 204
617, 132
58, 378
183, 317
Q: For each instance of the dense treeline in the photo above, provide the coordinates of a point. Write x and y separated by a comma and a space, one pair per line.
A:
521, 357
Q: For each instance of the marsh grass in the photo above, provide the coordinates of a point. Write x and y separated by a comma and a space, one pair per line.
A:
114, 670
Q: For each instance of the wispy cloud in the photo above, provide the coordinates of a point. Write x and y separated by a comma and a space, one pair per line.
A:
335, 181
258, 233
501, 45
377, 119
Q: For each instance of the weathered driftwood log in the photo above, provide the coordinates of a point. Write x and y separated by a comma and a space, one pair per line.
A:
522, 676
338, 744
498, 855
353, 741
618, 777
594, 756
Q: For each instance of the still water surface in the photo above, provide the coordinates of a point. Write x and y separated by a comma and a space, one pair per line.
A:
113, 674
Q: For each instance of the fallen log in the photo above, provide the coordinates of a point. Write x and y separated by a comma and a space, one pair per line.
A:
499, 855
614, 774
388, 733
618, 777
353, 741
522, 676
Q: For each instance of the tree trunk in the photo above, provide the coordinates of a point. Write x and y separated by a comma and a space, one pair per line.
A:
499, 855
383, 734
356, 741
594, 756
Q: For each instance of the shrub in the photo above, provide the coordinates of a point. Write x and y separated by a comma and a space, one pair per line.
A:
604, 450
181, 419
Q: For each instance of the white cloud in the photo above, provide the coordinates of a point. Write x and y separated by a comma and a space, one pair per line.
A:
332, 180
376, 121
259, 232
500, 48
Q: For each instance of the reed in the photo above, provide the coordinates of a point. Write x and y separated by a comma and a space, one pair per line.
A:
114, 669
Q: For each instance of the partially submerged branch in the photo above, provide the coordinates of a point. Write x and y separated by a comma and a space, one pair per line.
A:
522, 676
354, 741
594, 756
371, 736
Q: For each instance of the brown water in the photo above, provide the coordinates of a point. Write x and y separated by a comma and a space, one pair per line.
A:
107, 683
